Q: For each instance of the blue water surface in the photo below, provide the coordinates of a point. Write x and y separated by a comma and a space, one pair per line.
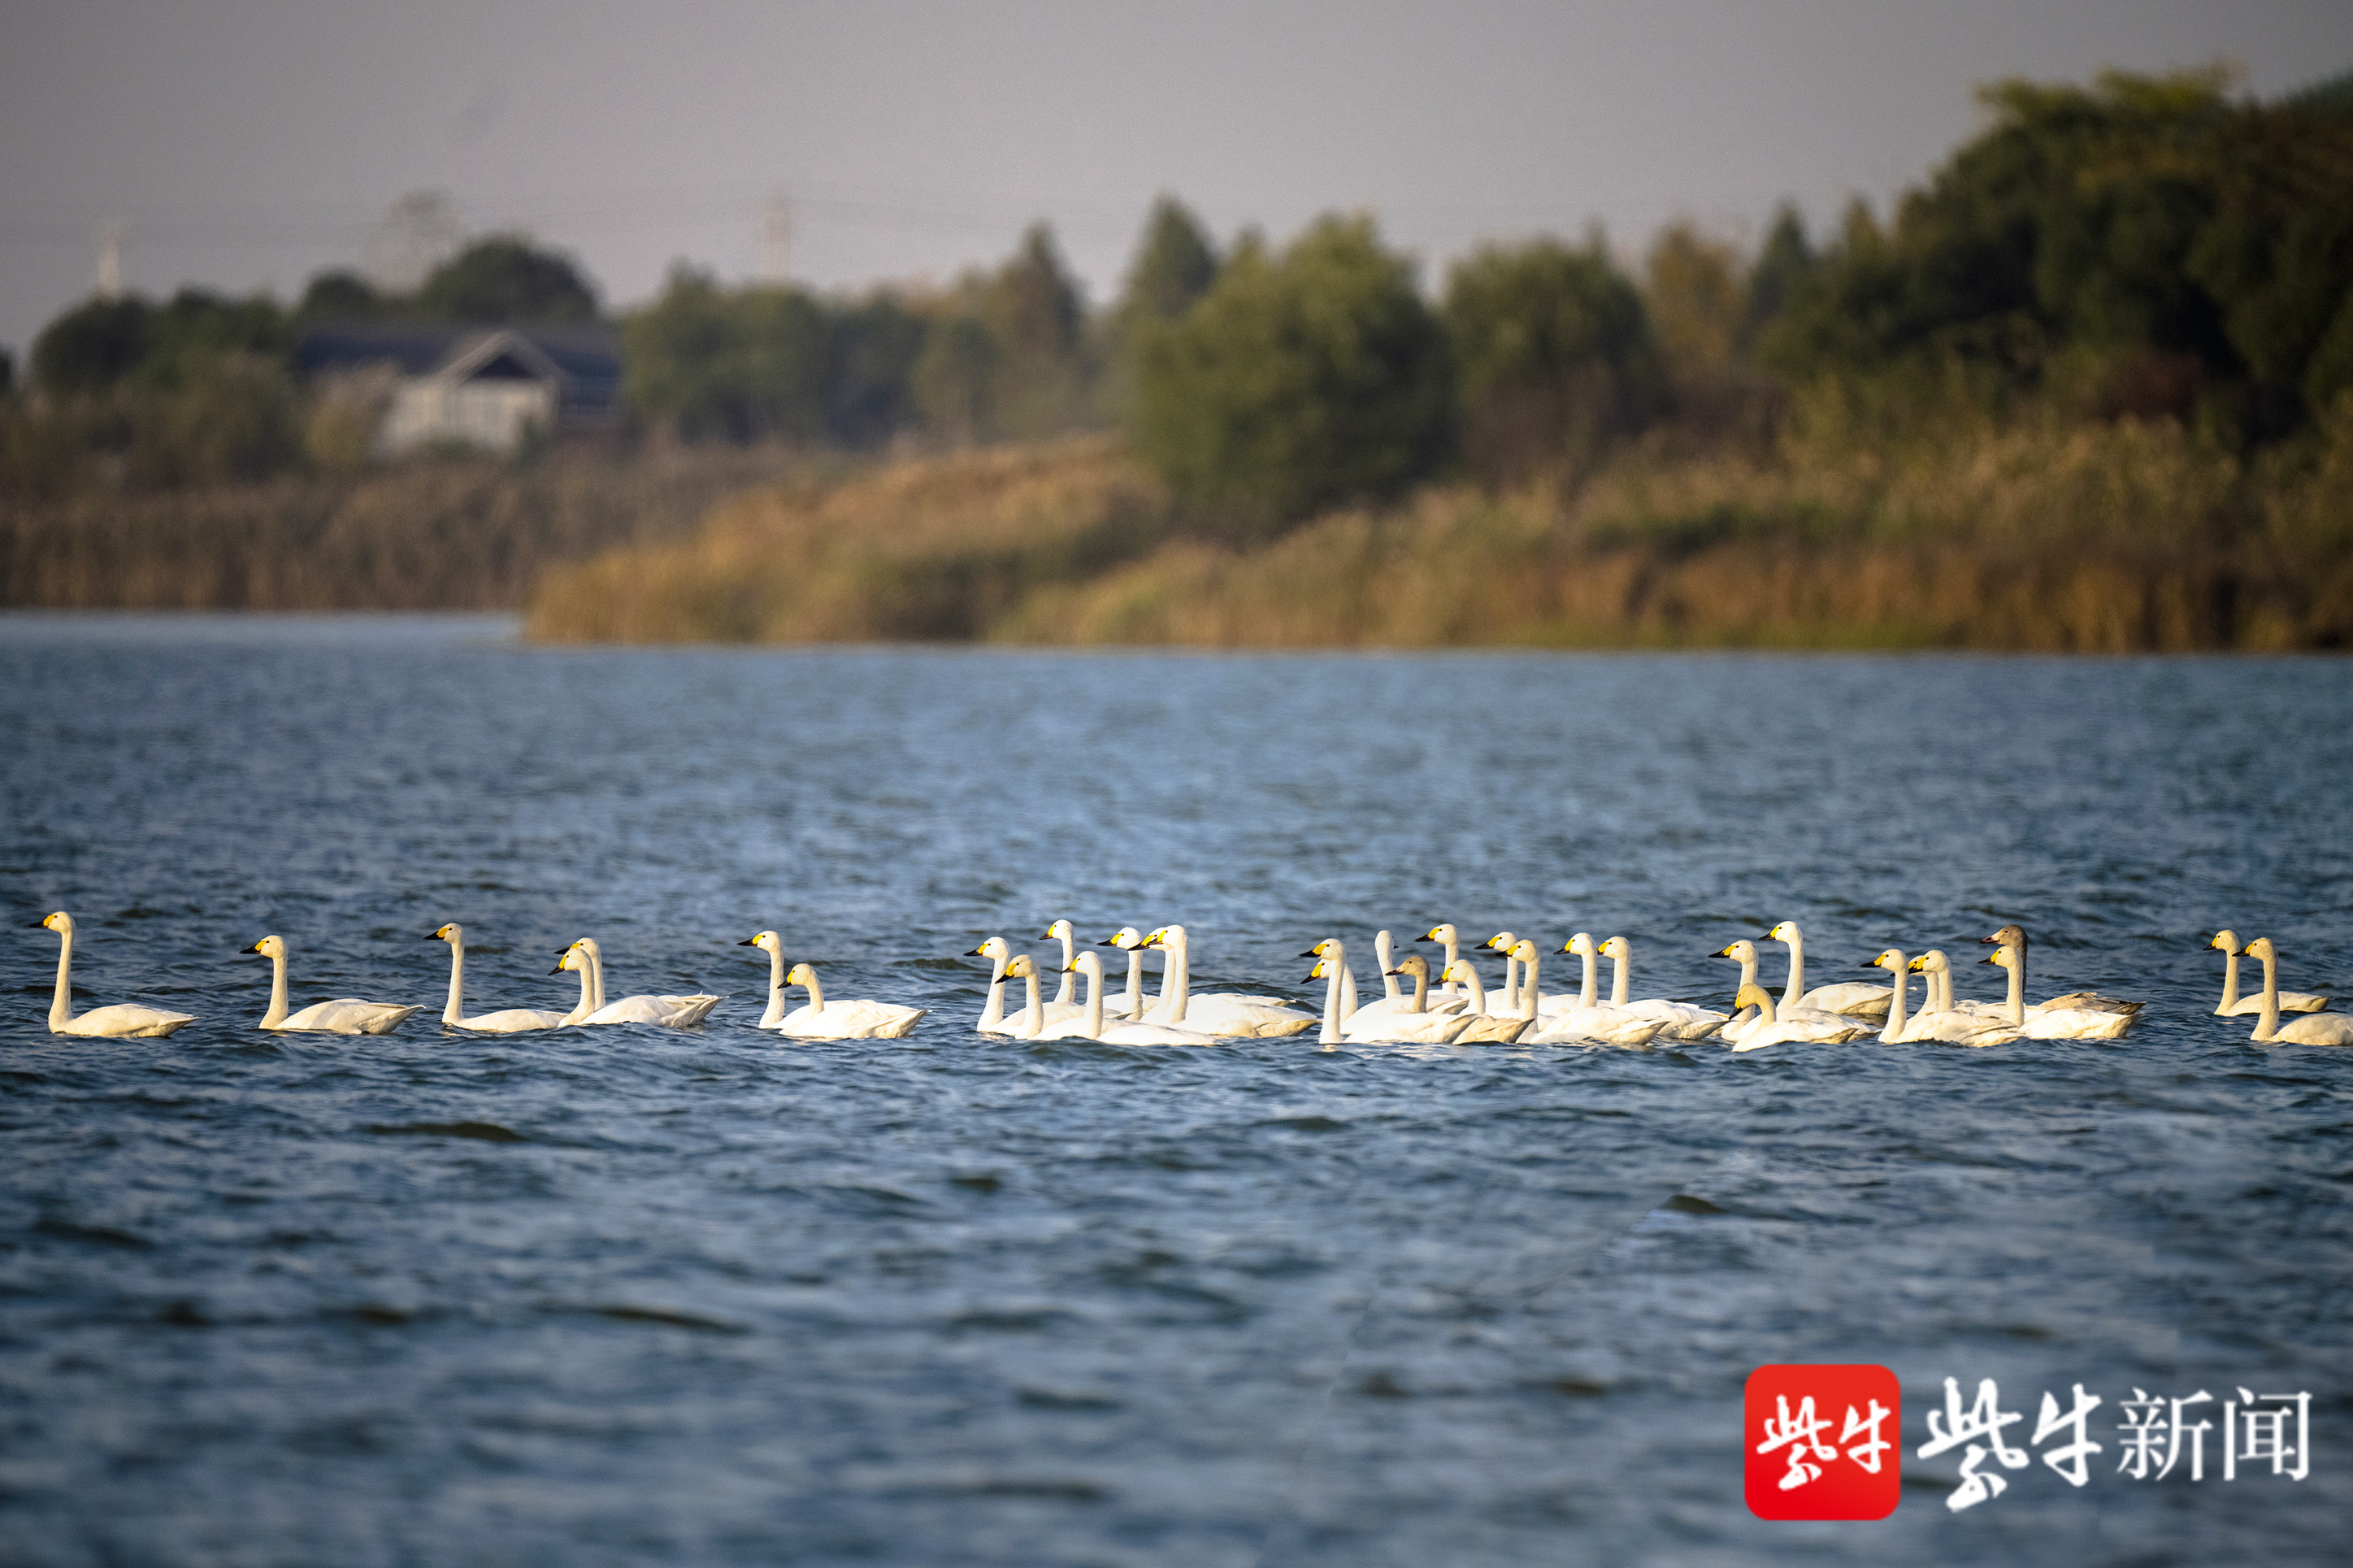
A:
710, 1297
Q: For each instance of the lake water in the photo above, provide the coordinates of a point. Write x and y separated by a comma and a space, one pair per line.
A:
639, 1295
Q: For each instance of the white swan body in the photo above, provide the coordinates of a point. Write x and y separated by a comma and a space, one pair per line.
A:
1852, 998
507, 1021
770, 943
121, 1021
1744, 953
2312, 1029
670, 1012
1331, 955
1771, 1029
344, 1015
1216, 1012
1486, 1028
2080, 1015
1971, 1024
1090, 1024
2233, 1005
1586, 1023
1415, 1024
823, 1020
1679, 1020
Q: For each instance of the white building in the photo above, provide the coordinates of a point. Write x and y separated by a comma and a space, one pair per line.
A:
490, 388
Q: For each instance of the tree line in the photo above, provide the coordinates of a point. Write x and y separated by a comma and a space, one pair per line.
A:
2138, 248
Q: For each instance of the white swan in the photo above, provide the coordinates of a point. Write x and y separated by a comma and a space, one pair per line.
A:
670, 1012
123, 1019
1586, 1017
2312, 1029
992, 1018
823, 1020
1450, 936
1395, 1001
2080, 1015
1090, 1025
507, 1021
1219, 1013
2233, 1005
1415, 1023
344, 1015
1587, 1023
1853, 998
770, 943
1681, 1020
1486, 1028
1939, 1019
1514, 981
1331, 955
1744, 953
1771, 1029
1131, 1007
1061, 931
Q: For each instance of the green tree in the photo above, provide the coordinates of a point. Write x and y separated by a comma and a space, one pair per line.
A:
1783, 264
340, 294
737, 365
954, 378
506, 281
1036, 317
94, 346
1175, 265
1554, 355
1297, 382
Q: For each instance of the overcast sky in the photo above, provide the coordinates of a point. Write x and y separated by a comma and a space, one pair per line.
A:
247, 145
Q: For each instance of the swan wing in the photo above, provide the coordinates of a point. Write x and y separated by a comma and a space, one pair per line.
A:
126, 1020
511, 1021
1489, 1030
2315, 1029
2290, 1001
346, 1015
1680, 1019
670, 1012
2077, 1023
1153, 1035
1858, 999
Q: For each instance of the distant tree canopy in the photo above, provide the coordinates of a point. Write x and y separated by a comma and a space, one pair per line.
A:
2147, 238
505, 279
1299, 380
1174, 265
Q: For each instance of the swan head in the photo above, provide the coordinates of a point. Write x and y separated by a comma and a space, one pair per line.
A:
1126, 936
1061, 931
1893, 962
1932, 962
1321, 970
2008, 937
60, 922
1166, 937
1329, 948
995, 947
1019, 967
574, 958
1461, 970
2000, 957
1446, 933
1751, 995
1501, 941
1742, 951
587, 945
1524, 951
2260, 947
1582, 945
766, 942
800, 974
452, 932
2227, 941
1087, 964
1617, 947
1413, 965
272, 946
1787, 931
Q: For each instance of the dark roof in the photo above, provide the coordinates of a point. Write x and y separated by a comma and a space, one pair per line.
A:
588, 357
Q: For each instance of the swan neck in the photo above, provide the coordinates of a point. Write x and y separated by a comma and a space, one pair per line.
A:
1330, 1034
1095, 1005
1420, 991
277, 1013
2230, 982
993, 1012
1034, 1014
1587, 995
1070, 957
1621, 979
1176, 979
816, 993
1347, 992
61, 1005
775, 1010
1477, 987
1384, 955
1895, 998
1134, 1013
2017, 988
1511, 985
455, 1012
587, 997
1528, 992
1796, 985
2267, 1025
1767, 1014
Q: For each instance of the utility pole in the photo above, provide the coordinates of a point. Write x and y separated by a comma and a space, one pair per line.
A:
775, 240
109, 259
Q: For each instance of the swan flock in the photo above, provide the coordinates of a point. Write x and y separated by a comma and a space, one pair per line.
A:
1446, 1005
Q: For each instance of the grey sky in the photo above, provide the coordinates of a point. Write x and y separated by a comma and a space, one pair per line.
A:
249, 144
